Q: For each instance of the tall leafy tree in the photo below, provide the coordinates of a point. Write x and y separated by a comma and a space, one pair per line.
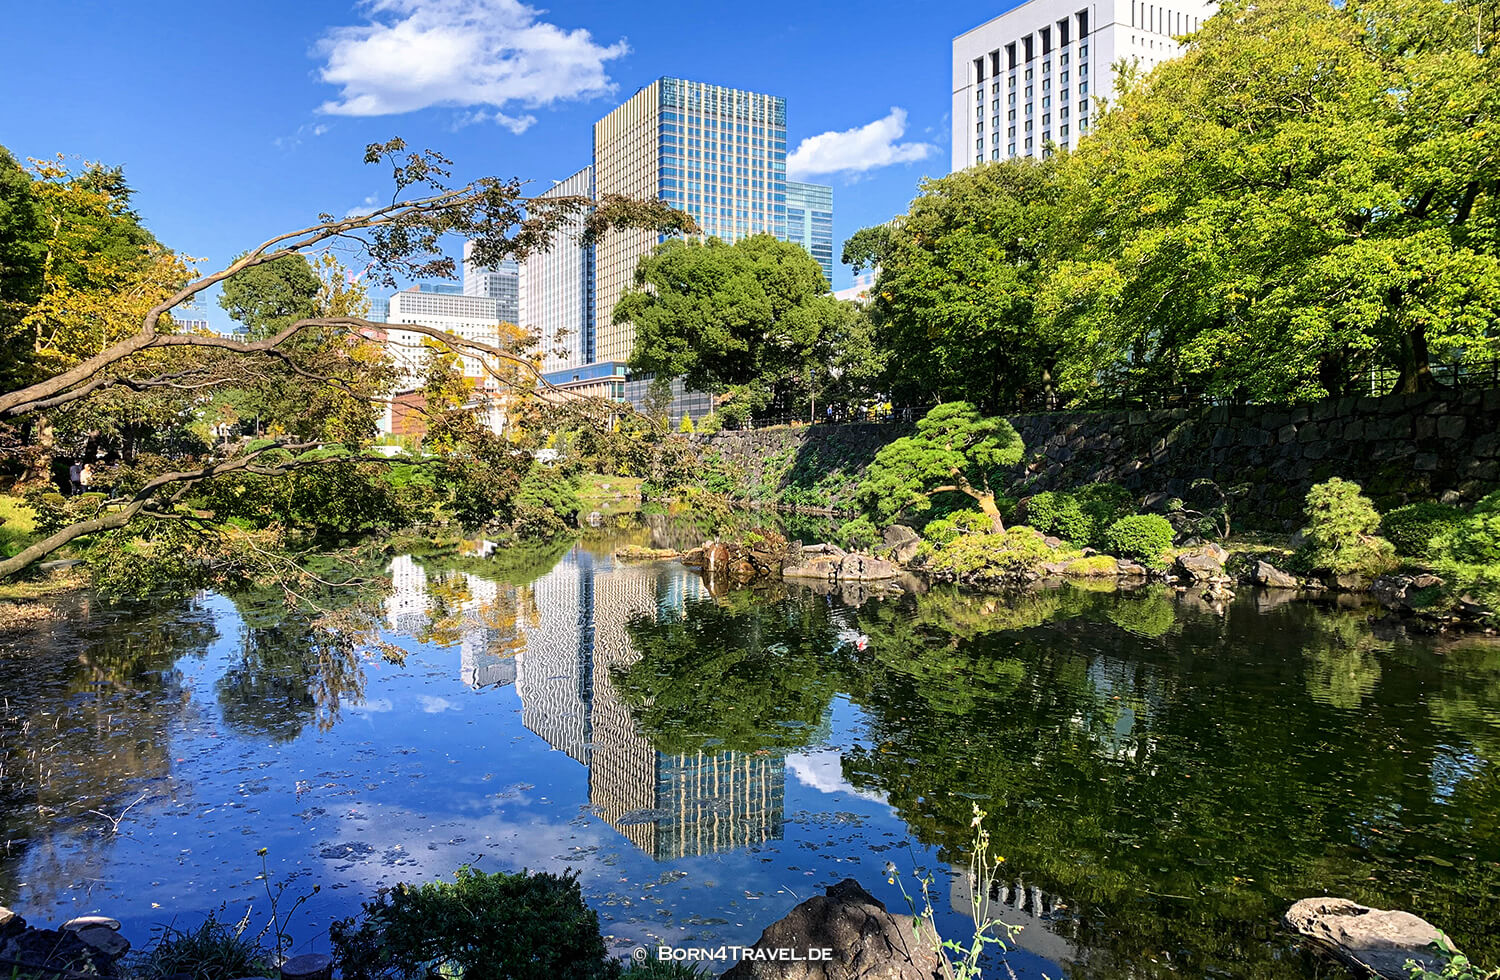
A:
1276, 220
753, 318
958, 273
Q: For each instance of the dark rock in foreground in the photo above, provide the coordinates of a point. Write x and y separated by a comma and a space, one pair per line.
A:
867, 942
1372, 941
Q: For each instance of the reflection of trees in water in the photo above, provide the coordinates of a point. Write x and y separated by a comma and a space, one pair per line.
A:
1179, 793
731, 674
85, 726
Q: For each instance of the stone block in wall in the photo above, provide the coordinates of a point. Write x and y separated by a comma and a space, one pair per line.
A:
1424, 427
1322, 411
1256, 437
1315, 450
1286, 433
1311, 432
1425, 462
1451, 426
1299, 415
1490, 400
1487, 444
1485, 470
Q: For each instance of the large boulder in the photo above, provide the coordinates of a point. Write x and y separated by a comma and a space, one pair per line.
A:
1372, 941
867, 942
1199, 565
1271, 577
863, 568
902, 541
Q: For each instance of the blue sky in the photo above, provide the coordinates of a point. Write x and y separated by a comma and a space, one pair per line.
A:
235, 121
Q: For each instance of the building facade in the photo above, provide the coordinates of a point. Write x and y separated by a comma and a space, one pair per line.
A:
809, 221
1026, 81
501, 284
556, 288
474, 318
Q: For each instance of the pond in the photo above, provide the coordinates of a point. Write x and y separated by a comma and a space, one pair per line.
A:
1163, 778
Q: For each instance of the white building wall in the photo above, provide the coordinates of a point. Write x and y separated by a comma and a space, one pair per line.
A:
469, 317
556, 297
1068, 70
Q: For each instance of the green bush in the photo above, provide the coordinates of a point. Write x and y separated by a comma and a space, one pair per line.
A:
941, 531
1341, 526
1082, 516
1060, 514
1476, 537
1142, 537
546, 503
710, 423
1414, 528
481, 926
1015, 550
213, 951
858, 533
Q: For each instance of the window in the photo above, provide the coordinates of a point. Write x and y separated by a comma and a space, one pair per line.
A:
1047, 136
1062, 113
979, 69
1047, 67
1047, 120
1028, 142
979, 95
995, 106
979, 128
1062, 79
979, 146
1062, 61
1028, 74
1083, 70
1010, 57
1083, 88
1028, 91
995, 154
1012, 100
1046, 102
1026, 50
1083, 125
1028, 125
994, 121
979, 112
1011, 115
1046, 34
1012, 149
1012, 81
1062, 32
995, 88
995, 138
1046, 85
1082, 20
1063, 130
1083, 108
994, 63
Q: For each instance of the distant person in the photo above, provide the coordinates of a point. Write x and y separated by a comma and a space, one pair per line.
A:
86, 477
75, 479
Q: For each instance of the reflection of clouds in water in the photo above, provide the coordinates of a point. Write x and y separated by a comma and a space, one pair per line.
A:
374, 706
435, 706
823, 771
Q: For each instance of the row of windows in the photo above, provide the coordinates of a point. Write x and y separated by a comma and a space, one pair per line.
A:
1063, 133
1027, 48
1161, 20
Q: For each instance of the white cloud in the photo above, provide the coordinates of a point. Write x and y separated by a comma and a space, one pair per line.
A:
488, 55
857, 150
823, 770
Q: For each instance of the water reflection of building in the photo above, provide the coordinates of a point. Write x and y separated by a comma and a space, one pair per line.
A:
1018, 904
668, 805
486, 623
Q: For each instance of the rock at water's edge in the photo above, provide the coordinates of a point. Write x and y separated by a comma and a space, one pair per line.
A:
902, 541
1373, 941
868, 943
1268, 575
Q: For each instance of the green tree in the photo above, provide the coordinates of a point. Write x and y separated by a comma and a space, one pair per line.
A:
955, 449
1275, 220
267, 298
754, 318
954, 299
22, 251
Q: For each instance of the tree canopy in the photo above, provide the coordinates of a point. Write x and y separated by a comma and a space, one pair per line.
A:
1256, 219
754, 318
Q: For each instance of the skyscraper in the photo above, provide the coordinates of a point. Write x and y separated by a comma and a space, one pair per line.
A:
717, 153
557, 287
1022, 82
809, 221
501, 284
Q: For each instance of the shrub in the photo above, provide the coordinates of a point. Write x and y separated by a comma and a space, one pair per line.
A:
710, 423
941, 531
971, 522
1341, 525
686, 427
1142, 537
1013, 551
1104, 503
213, 951
1413, 528
1054, 512
858, 533
1476, 537
482, 926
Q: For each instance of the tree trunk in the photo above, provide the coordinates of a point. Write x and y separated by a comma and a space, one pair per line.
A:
1416, 371
987, 504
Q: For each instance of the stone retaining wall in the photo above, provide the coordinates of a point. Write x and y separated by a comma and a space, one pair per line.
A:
1398, 447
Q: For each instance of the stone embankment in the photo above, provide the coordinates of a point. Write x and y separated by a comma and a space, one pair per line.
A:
1399, 448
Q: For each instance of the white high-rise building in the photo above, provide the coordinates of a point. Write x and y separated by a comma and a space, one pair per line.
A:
501, 284
557, 287
1027, 80
474, 318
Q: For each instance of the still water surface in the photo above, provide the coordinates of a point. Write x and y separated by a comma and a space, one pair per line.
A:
1161, 777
